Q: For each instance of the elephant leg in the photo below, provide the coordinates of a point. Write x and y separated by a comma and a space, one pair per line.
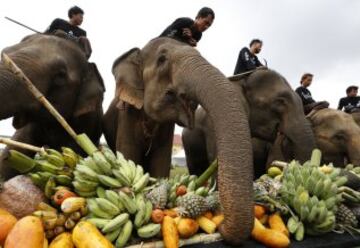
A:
160, 155
109, 125
195, 151
261, 152
22, 135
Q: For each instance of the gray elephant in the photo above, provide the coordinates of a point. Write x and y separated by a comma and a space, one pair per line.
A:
59, 69
273, 107
356, 116
337, 135
156, 88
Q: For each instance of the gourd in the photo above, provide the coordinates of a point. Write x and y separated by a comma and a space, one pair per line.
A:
7, 222
86, 235
63, 240
276, 223
170, 233
269, 237
187, 227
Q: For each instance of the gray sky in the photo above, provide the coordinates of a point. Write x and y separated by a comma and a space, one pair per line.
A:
317, 36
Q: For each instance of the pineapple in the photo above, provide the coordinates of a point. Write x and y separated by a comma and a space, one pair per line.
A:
213, 201
192, 205
158, 196
345, 217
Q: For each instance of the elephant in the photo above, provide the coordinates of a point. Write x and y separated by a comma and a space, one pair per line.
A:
59, 69
160, 85
273, 108
356, 116
337, 135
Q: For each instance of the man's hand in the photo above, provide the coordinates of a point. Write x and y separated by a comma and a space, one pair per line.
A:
187, 32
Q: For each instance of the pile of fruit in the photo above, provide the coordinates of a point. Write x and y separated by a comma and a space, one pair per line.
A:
112, 198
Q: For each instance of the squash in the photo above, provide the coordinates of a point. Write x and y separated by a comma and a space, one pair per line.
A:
27, 232
269, 237
259, 211
86, 235
170, 233
63, 240
7, 222
187, 227
46, 243
276, 223
207, 225
264, 219
218, 219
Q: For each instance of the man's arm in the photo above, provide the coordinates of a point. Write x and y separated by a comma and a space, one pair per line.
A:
238, 63
341, 104
53, 26
245, 57
258, 63
178, 24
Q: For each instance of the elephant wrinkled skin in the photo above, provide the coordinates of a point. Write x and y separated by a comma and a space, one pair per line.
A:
60, 70
159, 86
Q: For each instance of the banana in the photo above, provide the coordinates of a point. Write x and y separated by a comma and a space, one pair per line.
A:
99, 222
141, 184
139, 173
112, 236
69, 160
84, 187
112, 196
340, 181
327, 224
107, 206
313, 213
102, 163
148, 211
96, 210
50, 187
140, 215
69, 151
101, 193
89, 162
86, 183
192, 178
322, 214
304, 212
201, 191
327, 187
124, 234
45, 215
64, 180
55, 160
120, 158
191, 187
109, 181
85, 194
45, 166
37, 179
330, 202
319, 188
121, 177
132, 167
109, 156
72, 204
149, 230
184, 179
300, 231
292, 224
116, 223
128, 202
87, 173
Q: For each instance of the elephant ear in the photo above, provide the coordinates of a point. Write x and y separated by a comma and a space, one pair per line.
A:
127, 70
91, 92
20, 120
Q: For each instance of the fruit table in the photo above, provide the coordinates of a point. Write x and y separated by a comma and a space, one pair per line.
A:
330, 240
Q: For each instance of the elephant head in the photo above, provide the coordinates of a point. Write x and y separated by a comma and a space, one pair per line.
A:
59, 69
165, 78
337, 135
275, 108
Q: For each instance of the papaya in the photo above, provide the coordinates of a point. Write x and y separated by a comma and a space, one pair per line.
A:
63, 240
187, 227
269, 237
86, 235
7, 222
27, 232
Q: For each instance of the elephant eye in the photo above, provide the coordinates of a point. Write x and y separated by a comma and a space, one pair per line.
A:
170, 96
340, 136
161, 59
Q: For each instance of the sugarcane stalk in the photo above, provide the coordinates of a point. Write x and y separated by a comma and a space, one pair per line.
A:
20, 162
315, 157
11, 142
10, 64
196, 239
207, 174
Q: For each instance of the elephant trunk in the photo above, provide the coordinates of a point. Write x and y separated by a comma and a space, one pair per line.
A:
298, 130
220, 99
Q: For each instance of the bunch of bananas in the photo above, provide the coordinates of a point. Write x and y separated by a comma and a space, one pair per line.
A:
48, 169
104, 169
313, 196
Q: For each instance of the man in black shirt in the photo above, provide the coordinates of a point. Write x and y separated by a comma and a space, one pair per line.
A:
189, 31
308, 102
71, 28
351, 103
247, 59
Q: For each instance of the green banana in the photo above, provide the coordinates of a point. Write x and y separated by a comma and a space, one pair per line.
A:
109, 156
89, 162
322, 214
37, 179
128, 202
140, 215
319, 188
116, 223
55, 160
49, 187
98, 222
86, 183
124, 235
126, 171
191, 187
86, 173
341, 181
300, 231
102, 163
109, 181
84, 187
201, 191
107, 206
132, 167
141, 184
53, 152
139, 173
112, 196
148, 211
96, 210
122, 178
85, 194
69, 160
45, 166
101, 193
64, 180
149, 230
304, 212
330, 202
112, 236
292, 224
326, 187
313, 213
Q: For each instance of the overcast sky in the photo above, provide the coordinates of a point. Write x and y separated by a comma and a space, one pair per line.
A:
317, 36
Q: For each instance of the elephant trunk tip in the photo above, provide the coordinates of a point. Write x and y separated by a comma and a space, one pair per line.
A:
235, 238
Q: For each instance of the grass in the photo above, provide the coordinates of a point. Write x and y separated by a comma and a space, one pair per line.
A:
178, 170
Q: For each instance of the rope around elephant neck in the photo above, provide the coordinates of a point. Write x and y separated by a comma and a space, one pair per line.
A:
149, 132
